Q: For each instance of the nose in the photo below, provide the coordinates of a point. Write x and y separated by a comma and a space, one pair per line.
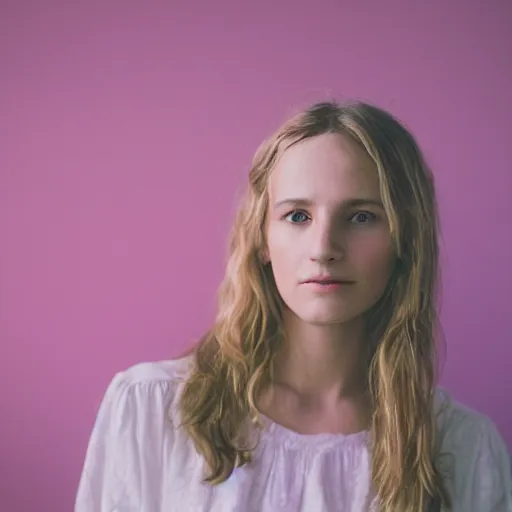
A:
326, 243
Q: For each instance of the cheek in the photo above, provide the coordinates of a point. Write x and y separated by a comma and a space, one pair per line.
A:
279, 245
284, 256
374, 258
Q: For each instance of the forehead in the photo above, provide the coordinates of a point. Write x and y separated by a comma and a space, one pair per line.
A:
328, 167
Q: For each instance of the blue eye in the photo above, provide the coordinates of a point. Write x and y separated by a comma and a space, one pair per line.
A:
363, 217
296, 217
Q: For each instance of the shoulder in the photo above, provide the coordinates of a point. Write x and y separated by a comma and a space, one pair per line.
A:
462, 428
173, 370
473, 457
147, 387
126, 446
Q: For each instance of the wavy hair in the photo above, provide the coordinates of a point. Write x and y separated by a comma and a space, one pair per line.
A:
233, 360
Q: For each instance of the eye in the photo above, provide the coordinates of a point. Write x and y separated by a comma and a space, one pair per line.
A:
296, 217
363, 217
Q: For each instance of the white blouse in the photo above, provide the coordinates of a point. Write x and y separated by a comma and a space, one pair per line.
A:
138, 460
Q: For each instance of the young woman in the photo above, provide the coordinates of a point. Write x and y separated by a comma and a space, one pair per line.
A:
315, 389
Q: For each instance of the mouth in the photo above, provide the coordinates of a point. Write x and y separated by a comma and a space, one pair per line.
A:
327, 281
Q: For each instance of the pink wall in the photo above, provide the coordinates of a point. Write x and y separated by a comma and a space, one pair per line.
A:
125, 132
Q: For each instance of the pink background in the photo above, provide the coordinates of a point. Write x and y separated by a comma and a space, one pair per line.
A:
126, 130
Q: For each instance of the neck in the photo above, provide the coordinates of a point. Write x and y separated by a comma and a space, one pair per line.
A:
322, 362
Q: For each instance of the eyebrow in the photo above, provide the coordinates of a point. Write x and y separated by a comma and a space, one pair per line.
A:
357, 201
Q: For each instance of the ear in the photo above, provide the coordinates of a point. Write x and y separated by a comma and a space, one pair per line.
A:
265, 256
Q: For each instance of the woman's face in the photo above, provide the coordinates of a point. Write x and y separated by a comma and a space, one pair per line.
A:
326, 222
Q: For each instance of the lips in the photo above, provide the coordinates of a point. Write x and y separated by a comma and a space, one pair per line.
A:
327, 280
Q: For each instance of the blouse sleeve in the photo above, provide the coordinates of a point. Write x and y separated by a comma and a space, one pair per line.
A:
123, 463
482, 476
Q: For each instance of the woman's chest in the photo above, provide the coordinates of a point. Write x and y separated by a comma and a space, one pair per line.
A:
278, 479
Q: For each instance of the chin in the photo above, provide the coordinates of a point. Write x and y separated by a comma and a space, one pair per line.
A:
329, 317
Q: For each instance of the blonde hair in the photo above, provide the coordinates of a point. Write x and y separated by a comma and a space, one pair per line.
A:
233, 360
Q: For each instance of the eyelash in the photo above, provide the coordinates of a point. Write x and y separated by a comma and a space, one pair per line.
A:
372, 216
